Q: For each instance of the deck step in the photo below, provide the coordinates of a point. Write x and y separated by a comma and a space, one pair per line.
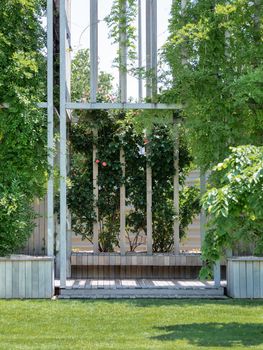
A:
130, 289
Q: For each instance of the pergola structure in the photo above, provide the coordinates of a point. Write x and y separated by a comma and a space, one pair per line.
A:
67, 106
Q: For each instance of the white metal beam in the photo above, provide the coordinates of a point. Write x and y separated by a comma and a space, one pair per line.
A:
124, 106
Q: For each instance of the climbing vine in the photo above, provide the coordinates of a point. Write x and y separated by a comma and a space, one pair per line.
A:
23, 153
116, 131
121, 20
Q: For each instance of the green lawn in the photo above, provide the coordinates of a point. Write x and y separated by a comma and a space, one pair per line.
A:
135, 324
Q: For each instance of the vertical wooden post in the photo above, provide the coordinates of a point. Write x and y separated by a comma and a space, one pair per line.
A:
217, 273
95, 194
122, 205
69, 243
149, 205
123, 99
176, 225
93, 98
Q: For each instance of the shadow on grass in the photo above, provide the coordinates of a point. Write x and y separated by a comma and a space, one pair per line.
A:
194, 302
214, 334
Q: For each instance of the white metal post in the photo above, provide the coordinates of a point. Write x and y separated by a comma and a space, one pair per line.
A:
123, 99
149, 92
148, 12
50, 127
63, 147
154, 48
93, 50
123, 54
68, 115
140, 94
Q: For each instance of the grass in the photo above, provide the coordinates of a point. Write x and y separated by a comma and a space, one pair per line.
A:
131, 325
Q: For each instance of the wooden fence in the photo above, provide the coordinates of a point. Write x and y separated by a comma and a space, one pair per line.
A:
37, 243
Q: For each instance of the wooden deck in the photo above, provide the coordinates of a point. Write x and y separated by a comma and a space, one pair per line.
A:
139, 288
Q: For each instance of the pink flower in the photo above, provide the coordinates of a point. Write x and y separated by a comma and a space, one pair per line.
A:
104, 164
97, 161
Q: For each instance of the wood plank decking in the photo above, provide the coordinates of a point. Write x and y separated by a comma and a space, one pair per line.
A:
139, 288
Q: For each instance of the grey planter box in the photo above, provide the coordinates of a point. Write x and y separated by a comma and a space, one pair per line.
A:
245, 277
26, 277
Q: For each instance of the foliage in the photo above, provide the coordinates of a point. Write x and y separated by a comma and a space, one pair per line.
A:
234, 204
16, 217
215, 56
22, 128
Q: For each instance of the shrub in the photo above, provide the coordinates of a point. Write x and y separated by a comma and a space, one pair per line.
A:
234, 204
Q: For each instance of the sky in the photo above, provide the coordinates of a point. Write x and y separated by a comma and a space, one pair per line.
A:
107, 51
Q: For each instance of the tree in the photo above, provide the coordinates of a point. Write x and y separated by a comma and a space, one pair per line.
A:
81, 79
234, 204
23, 151
215, 56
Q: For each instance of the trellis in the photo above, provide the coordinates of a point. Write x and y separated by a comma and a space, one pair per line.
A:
66, 106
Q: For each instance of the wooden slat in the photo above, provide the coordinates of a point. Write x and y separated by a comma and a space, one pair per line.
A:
41, 280
22, 279
15, 279
35, 278
28, 272
8, 279
249, 279
256, 279
3, 280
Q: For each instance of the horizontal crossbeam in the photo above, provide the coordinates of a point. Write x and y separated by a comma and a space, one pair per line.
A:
152, 106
